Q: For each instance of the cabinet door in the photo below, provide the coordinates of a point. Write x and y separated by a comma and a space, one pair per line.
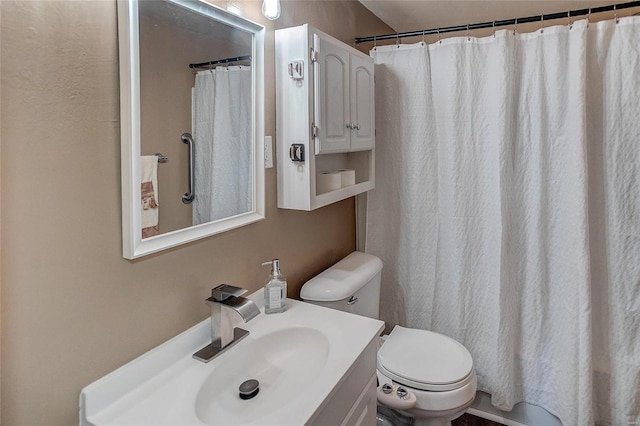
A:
331, 97
362, 104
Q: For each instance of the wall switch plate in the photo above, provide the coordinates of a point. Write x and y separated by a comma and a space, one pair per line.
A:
268, 153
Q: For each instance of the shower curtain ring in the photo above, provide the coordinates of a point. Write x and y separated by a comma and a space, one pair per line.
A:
569, 21
515, 26
398, 40
423, 42
375, 42
541, 24
615, 13
493, 29
439, 40
468, 36
589, 17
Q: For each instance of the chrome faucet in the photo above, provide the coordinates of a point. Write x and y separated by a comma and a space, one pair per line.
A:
226, 299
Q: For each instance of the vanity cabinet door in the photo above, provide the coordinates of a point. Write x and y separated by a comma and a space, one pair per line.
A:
353, 400
332, 97
363, 412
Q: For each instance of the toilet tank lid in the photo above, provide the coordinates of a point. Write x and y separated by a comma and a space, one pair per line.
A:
343, 279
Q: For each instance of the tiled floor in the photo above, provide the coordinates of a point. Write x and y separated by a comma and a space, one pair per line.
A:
396, 419
469, 420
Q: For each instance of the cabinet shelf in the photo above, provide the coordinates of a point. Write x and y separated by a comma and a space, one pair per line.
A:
330, 197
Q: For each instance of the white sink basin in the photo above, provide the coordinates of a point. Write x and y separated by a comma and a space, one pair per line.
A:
273, 360
298, 357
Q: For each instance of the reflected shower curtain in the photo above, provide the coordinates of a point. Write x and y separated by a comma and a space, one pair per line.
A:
507, 210
222, 143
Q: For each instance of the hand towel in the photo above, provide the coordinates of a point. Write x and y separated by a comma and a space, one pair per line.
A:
149, 193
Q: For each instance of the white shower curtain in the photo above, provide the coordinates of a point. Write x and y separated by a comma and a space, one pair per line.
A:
507, 210
222, 143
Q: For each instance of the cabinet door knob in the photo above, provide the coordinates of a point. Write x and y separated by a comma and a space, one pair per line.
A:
349, 125
356, 126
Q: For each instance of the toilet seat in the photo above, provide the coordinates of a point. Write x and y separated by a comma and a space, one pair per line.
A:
425, 360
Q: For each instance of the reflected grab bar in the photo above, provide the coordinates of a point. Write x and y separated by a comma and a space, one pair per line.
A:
187, 198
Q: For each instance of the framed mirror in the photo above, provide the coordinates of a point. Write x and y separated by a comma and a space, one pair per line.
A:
192, 122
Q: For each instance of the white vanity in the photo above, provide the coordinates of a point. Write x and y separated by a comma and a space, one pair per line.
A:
315, 366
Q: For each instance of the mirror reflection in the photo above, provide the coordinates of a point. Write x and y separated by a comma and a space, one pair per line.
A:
192, 122
196, 118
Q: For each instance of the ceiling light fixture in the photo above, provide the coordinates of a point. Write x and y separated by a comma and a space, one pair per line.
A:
271, 9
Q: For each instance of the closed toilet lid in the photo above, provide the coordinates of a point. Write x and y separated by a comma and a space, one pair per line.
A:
425, 360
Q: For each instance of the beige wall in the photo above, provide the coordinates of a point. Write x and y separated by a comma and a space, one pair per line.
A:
72, 308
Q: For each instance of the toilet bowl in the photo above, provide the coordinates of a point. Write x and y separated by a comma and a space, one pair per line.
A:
435, 371
435, 368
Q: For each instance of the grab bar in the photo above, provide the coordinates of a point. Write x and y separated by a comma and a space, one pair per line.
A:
187, 198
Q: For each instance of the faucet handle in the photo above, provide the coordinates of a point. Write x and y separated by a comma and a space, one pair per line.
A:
224, 291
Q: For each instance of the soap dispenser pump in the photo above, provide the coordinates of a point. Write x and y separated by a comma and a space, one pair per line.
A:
275, 289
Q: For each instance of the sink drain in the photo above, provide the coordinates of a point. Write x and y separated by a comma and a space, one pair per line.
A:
249, 388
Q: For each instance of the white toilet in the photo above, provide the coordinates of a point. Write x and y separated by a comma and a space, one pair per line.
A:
436, 371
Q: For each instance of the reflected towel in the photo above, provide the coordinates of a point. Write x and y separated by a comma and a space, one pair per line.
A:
149, 195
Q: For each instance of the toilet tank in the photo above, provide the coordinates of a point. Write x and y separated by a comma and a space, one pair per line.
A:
351, 285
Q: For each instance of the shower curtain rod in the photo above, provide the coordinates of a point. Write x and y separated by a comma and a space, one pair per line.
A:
223, 61
537, 18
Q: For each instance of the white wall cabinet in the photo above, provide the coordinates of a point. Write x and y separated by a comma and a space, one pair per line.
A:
325, 108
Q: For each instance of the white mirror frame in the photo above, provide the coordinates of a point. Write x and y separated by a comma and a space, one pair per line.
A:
132, 243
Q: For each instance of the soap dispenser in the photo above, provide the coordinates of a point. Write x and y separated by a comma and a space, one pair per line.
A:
275, 289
